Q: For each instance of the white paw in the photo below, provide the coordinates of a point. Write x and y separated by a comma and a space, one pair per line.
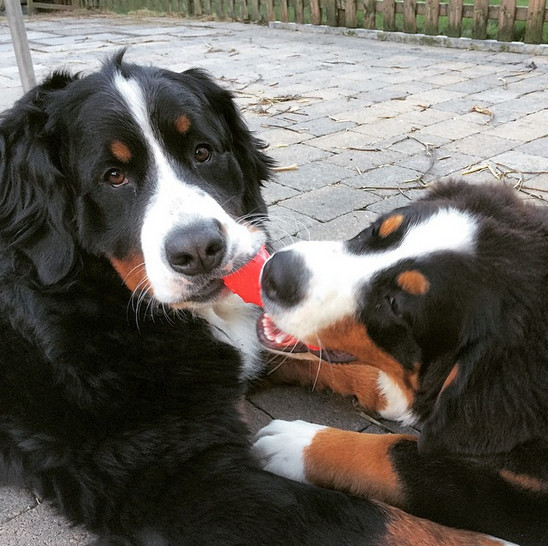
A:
280, 445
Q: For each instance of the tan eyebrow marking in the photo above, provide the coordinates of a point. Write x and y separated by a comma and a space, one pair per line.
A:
120, 151
182, 124
391, 224
414, 282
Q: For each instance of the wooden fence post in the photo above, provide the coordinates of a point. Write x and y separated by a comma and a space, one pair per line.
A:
284, 15
219, 13
299, 11
507, 15
270, 14
410, 16
369, 14
331, 9
455, 18
350, 13
315, 12
255, 14
535, 21
479, 21
432, 17
389, 15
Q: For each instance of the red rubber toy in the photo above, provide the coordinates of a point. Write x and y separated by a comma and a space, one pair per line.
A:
245, 281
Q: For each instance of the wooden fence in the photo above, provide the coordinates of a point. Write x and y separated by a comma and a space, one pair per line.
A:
479, 19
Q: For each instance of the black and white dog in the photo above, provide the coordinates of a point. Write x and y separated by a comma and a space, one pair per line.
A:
439, 311
125, 197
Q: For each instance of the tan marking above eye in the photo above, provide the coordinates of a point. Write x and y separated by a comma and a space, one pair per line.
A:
120, 151
414, 282
391, 224
182, 124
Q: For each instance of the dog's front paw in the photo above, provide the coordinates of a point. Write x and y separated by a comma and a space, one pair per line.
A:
280, 447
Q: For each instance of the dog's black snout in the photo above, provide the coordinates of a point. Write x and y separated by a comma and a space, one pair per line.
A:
197, 248
285, 278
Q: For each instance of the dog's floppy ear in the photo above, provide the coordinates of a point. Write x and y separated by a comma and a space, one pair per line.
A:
255, 164
476, 412
34, 213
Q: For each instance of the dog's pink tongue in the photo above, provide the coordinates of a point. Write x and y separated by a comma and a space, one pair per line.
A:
245, 281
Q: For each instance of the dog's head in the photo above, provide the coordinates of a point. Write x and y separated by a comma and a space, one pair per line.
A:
452, 286
151, 169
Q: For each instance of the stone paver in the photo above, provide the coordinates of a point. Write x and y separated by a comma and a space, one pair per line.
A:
357, 127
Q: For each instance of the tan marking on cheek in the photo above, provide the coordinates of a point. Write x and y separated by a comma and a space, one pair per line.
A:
524, 481
132, 272
352, 337
390, 225
120, 151
403, 528
356, 463
414, 282
182, 124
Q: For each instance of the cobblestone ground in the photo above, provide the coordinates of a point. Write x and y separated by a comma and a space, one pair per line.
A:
357, 127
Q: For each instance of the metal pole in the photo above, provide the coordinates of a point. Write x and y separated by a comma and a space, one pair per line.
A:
20, 43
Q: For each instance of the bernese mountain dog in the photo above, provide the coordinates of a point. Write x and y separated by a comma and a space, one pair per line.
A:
435, 314
125, 196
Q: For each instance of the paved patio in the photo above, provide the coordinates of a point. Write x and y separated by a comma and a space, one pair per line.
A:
357, 127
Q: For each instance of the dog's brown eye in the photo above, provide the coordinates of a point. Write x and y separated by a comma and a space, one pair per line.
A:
115, 178
202, 153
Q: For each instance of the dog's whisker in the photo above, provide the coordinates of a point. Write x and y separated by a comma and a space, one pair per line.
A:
320, 361
252, 219
288, 229
139, 295
166, 310
285, 358
138, 268
277, 367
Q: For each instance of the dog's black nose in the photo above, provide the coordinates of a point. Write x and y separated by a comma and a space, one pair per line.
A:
197, 248
285, 278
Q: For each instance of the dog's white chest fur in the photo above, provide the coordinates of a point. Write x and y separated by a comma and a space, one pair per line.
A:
234, 322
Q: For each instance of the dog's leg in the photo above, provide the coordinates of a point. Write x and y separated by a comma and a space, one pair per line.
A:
357, 463
378, 391
390, 468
